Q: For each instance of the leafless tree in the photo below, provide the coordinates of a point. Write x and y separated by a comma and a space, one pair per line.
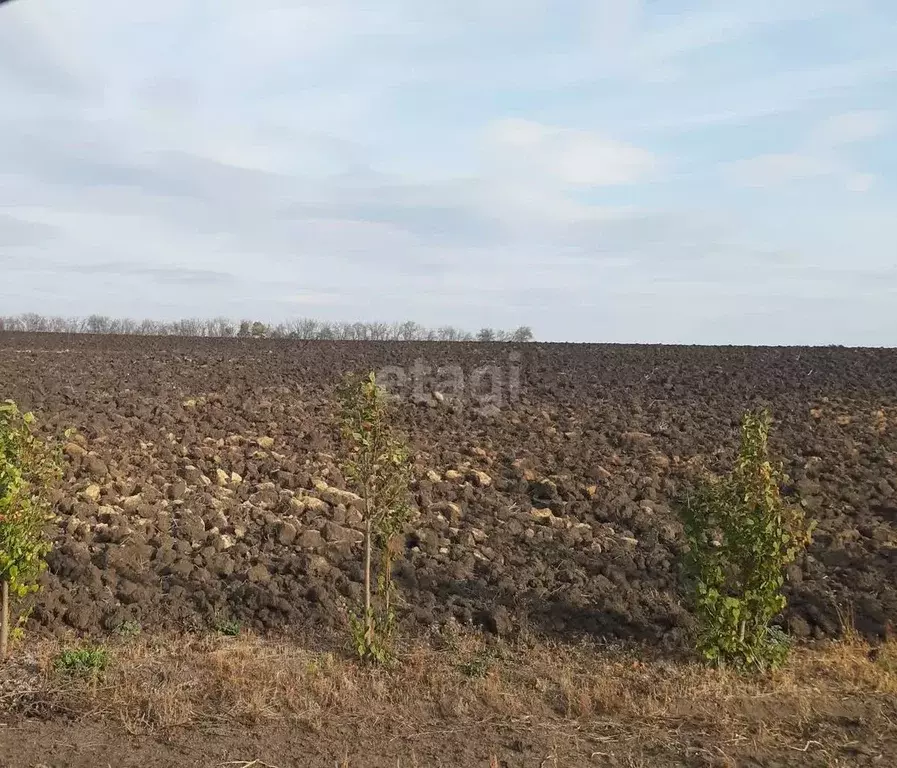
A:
523, 334
222, 327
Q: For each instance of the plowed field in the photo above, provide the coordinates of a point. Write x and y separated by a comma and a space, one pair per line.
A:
203, 483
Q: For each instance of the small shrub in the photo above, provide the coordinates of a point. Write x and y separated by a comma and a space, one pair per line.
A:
478, 666
82, 662
129, 628
227, 627
29, 471
379, 467
741, 535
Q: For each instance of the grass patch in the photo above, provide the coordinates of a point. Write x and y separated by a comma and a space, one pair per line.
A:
82, 662
626, 703
227, 627
129, 629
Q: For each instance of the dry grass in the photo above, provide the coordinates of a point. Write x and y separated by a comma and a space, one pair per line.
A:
607, 697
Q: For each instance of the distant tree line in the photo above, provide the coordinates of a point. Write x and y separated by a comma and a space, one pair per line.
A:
221, 327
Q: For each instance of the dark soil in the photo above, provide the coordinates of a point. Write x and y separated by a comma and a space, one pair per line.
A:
599, 441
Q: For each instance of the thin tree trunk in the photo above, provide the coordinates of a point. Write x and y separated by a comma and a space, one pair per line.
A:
388, 586
368, 616
4, 620
387, 578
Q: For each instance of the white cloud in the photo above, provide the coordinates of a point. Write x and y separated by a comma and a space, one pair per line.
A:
614, 23
819, 156
311, 299
849, 128
860, 182
565, 157
659, 52
775, 169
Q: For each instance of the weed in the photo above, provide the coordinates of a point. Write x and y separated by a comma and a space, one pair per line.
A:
741, 536
227, 627
478, 666
129, 629
83, 662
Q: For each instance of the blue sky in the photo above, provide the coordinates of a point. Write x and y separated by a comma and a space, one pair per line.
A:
604, 170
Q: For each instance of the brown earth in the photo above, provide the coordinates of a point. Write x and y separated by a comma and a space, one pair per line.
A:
202, 488
154, 530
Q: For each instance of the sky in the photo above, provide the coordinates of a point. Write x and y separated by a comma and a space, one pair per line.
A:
600, 170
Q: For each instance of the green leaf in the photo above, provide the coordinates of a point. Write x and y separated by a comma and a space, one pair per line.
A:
737, 586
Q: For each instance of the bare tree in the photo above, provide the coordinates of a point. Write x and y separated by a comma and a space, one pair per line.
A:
523, 334
98, 324
326, 332
222, 327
